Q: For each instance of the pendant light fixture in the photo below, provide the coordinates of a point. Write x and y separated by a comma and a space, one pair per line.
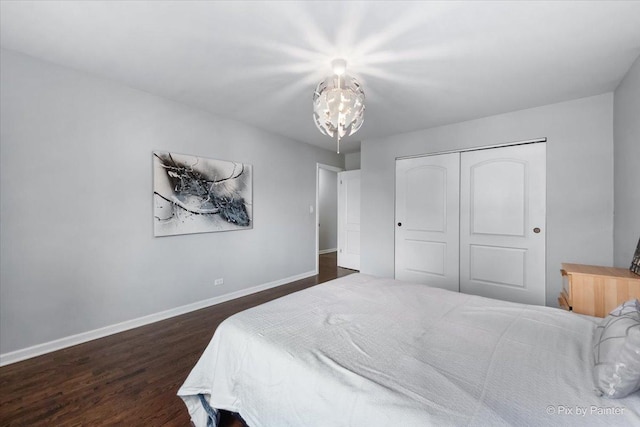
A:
338, 103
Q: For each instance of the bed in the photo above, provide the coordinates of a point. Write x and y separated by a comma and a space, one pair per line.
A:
367, 351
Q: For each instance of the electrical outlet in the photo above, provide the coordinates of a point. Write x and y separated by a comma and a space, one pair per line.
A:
218, 282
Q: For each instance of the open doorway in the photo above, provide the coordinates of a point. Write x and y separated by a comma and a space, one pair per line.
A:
326, 211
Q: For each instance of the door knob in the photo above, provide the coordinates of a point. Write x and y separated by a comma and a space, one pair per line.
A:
536, 230
399, 224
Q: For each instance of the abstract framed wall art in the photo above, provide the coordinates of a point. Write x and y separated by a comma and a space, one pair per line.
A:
635, 263
199, 195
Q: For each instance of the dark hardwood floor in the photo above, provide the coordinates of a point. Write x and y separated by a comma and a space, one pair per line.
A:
130, 378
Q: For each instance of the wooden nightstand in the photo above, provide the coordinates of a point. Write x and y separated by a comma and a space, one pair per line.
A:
595, 290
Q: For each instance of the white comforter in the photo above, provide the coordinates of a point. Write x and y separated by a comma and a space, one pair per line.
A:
363, 351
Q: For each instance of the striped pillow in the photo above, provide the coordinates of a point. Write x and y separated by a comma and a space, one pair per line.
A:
616, 351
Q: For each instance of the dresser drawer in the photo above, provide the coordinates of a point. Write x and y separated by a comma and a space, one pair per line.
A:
595, 290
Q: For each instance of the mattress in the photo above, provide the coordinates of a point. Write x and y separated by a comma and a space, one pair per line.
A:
367, 351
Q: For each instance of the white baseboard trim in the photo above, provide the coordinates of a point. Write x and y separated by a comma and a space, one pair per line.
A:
59, 344
327, 251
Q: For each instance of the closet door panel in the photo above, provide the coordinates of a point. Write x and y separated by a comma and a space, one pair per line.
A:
498, 197
427, 220
502, 223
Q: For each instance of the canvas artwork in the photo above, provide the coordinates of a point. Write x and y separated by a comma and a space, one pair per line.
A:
635, 263
198, 195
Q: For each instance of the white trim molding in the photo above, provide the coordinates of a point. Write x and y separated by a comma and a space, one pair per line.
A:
485, 147
59, 344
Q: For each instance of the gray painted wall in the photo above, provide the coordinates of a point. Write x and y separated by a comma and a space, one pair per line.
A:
626, 131
76, 236
579, 179
352, 161
328, 209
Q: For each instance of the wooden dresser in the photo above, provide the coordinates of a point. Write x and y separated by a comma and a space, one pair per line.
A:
595, 290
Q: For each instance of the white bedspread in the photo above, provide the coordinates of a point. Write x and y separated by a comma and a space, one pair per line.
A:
363, 351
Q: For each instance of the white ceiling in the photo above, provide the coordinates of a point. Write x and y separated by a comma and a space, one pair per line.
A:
421, 64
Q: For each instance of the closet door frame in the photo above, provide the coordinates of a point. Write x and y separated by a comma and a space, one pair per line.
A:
399, 253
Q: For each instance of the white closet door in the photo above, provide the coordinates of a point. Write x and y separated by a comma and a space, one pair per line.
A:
502, 223
349, 219
427, 220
